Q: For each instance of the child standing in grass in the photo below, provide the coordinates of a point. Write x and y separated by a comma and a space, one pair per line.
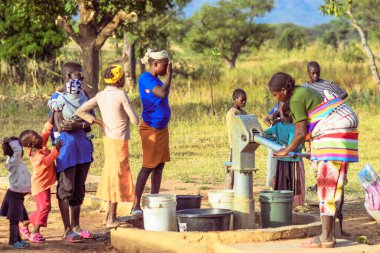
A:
240, 99
116, 184
290, 174
19, 185
43, 177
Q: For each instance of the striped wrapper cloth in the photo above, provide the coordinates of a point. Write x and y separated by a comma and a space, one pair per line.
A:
333, 132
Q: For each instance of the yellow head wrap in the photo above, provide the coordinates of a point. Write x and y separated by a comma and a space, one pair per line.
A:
117, 72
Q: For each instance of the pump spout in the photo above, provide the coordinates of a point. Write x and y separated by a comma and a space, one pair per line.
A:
276, 147
267, 143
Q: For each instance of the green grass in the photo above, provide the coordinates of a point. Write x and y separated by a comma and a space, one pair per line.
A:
198, 140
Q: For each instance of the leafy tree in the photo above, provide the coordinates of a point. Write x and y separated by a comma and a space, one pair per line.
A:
368, 12
152, 31
229, 26
291, 37
330, 38
27, 29
98, 20
341, 8
337, 33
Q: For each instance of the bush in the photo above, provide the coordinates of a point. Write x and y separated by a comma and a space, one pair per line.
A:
353, 53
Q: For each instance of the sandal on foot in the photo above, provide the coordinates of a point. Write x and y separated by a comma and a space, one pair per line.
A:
73, 238
137, 212
85, 234
20, 245
316, 243
25, 232
37, 238
82, 232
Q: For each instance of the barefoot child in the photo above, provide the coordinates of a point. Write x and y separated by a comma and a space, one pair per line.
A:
240, 99
116, 184
43, 177
290, 174
19, 185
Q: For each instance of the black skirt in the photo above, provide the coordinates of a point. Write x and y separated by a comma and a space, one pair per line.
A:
13, 206
288, 177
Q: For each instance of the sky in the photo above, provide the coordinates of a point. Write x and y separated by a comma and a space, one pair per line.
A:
300, 12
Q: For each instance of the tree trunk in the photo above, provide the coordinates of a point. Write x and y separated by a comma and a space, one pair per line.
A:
211, 87
129, 62
18, 74
231, 63
142, 67
91, 62
133, 64
367, 49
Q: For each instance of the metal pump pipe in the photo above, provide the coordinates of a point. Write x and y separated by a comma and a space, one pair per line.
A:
276, 147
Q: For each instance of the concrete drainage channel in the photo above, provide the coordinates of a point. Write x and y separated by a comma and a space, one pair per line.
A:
139, 240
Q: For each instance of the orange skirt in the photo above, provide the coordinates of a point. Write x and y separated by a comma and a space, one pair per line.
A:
155, 145
116, 184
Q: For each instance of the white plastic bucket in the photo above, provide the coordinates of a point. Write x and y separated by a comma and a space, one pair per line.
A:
222, 199
159, 212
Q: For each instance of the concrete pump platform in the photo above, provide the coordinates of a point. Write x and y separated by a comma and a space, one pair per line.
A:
138, 240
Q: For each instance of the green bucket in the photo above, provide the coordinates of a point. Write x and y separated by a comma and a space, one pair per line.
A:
276, 208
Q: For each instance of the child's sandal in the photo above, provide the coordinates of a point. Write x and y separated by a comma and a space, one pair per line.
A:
37, 238
20, 245
25, 232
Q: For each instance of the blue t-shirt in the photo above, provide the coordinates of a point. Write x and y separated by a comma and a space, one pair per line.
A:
282, 134
156, 110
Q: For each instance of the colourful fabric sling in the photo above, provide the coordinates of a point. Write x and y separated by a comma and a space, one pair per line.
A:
332, 132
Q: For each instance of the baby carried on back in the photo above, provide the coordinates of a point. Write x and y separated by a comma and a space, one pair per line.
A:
68, 102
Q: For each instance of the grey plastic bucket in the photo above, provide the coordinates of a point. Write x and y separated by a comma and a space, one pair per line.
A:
276, 208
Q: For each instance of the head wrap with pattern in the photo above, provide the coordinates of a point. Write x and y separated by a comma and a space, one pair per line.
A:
117, 73
155, 55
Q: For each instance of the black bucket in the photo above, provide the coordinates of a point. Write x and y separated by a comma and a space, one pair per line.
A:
188, 202
210, 219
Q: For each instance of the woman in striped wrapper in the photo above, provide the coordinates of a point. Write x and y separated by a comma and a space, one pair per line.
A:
331, 129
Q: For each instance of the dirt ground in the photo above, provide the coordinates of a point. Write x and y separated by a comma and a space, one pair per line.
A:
356, 221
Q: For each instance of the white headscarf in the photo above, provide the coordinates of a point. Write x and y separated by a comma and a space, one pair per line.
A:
159, 55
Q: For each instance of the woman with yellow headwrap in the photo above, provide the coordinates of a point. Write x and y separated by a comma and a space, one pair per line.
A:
116, 184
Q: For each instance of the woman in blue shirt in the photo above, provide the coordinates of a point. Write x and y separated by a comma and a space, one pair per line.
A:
154, 126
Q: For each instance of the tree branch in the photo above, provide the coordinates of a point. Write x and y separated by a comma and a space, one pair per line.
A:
64, 23
86, 11
110, 28
105, 20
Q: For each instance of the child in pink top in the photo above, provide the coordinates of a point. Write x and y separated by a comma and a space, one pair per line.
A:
43, 176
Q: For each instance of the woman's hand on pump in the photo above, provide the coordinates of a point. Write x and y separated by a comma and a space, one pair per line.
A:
281, 152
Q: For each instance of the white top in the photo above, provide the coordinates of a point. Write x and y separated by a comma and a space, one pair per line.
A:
19, 176
116, 109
